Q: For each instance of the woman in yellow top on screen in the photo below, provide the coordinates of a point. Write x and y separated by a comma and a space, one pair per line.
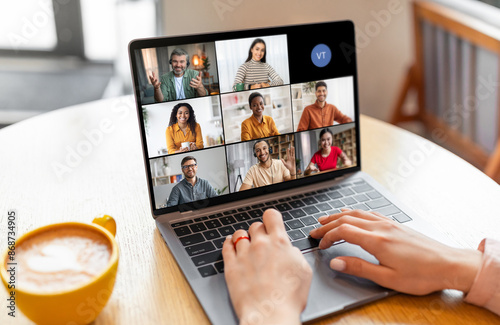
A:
258, 125
255, 72
183, 133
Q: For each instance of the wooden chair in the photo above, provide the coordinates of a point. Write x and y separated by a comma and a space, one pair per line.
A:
452, 79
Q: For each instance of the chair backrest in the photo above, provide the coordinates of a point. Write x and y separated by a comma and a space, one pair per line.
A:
456, 75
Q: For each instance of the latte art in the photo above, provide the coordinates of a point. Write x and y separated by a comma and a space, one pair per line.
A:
61, 259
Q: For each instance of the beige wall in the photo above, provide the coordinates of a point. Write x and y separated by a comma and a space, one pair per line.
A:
383, 27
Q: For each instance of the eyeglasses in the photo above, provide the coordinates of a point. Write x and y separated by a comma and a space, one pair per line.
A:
185, 167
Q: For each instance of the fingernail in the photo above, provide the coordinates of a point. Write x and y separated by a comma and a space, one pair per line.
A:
229, 237
338, 265
322, 218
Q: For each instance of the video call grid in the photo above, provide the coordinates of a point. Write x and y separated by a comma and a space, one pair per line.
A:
220, 108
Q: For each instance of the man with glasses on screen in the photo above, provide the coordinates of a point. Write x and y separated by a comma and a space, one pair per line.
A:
181, 82
191, 188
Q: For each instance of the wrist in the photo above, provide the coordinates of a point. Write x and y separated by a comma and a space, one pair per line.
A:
463, 268
275, 316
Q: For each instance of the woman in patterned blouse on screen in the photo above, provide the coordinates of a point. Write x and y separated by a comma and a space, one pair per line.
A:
255, 73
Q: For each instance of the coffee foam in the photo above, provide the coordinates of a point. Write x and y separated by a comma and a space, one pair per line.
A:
61, 259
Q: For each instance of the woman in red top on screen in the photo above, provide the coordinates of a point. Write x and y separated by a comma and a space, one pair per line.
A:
326, 157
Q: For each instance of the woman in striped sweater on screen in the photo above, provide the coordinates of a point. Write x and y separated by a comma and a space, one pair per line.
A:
255, 72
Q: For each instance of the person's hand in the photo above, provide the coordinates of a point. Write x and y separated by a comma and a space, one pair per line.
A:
192, 146
196, 82
290, 160
345, 159
313, 168
268, 279
265, 85
409, 261
256, 86
185, 149
154, 81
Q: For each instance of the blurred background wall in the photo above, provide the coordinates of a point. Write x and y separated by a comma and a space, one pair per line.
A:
57, 53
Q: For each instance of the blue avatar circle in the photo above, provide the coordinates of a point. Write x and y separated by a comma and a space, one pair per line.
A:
321, 55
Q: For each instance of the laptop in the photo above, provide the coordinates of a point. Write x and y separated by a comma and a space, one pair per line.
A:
234, 123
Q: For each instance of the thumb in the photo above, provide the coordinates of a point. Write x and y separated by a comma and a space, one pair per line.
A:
361, 268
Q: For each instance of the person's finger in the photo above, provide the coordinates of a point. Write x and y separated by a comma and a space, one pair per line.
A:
228, 251
256, 229
345, 219
378, 214
363, 269
199, 75
273, 222
241, 241
349, 233
355, 213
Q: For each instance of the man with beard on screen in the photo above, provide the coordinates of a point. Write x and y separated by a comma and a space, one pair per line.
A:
269, 171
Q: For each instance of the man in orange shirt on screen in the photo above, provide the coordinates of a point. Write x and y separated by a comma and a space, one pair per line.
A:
321, 114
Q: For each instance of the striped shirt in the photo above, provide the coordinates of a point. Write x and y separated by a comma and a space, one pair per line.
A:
254, 72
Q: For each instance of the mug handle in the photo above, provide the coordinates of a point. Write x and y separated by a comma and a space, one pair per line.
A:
106, 222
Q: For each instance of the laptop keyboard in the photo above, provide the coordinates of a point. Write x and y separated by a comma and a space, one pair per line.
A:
203, 237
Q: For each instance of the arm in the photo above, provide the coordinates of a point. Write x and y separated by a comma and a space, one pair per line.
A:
269, 264
310, 168
245, 187
240, 75
484, 291
290, 164
341, 118
170, 140
248, 181
211, 191
345, 160
245, 132
304, 121
199, 138
173, 198
274, 77
197, 83
158, 95
432, 266
274, 129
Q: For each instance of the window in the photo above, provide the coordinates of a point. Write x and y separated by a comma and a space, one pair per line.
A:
495, 3
28, 25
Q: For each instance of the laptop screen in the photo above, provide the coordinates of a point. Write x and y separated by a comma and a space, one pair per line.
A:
232, 115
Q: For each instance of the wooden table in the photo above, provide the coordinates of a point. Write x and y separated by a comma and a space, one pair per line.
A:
75, 163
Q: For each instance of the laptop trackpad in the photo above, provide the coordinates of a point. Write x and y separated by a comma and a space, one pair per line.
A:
332, 291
